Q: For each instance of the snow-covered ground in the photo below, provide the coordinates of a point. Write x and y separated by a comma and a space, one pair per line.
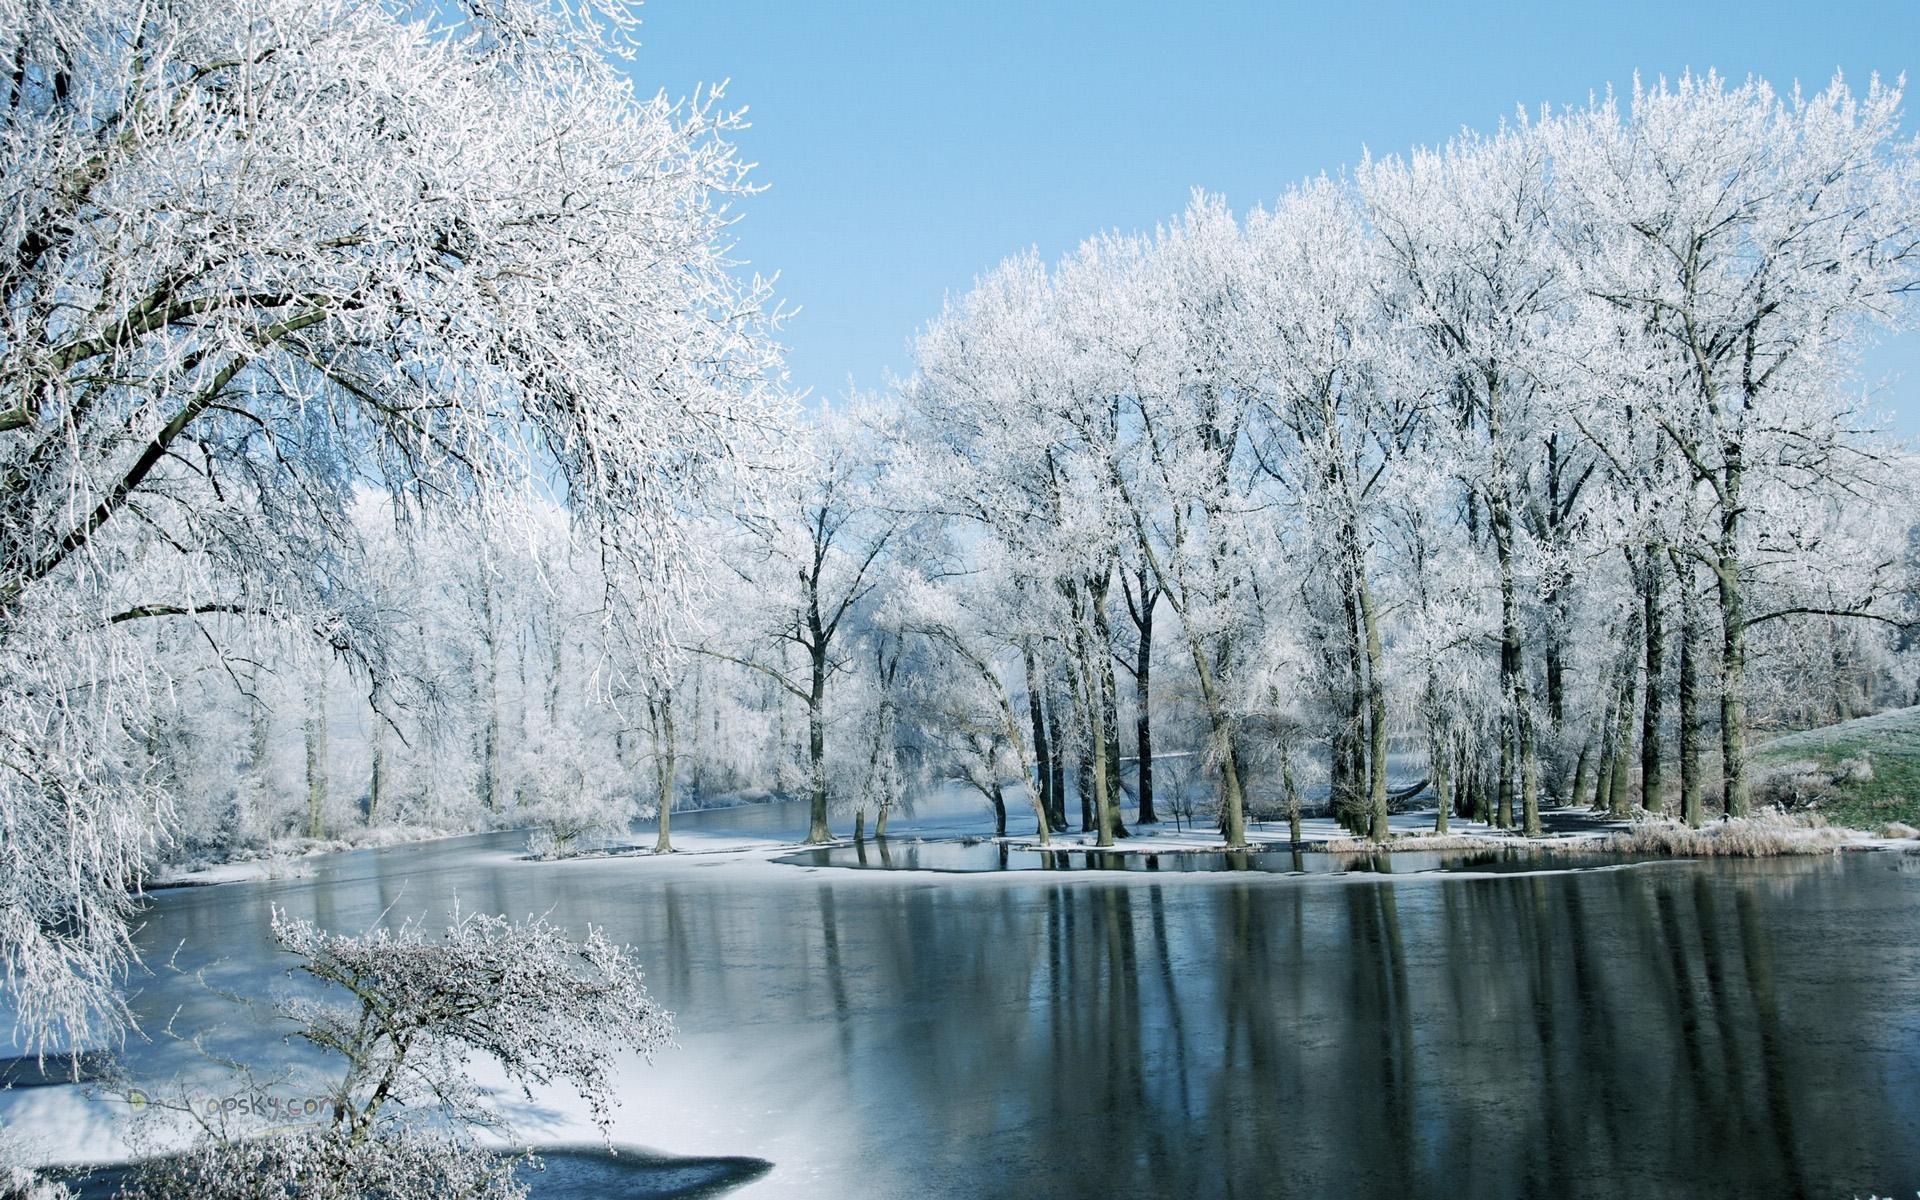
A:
291, 858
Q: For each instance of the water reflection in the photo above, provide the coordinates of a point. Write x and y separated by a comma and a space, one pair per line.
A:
1681, 1030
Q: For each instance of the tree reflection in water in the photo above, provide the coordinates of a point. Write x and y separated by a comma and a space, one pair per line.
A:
1675, 1030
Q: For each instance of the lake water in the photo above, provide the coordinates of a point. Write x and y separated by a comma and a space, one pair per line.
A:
1667, 1030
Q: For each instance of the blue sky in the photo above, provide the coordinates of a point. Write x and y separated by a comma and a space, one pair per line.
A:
907, 146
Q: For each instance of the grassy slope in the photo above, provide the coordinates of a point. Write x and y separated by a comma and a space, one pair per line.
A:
1889, 740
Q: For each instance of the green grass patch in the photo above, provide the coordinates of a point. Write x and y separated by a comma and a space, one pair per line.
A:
1862, 773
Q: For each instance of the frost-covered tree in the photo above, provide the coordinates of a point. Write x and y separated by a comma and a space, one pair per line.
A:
1524, 397
253, 256
403, 1012
1741, 241
804, 568
1475, 279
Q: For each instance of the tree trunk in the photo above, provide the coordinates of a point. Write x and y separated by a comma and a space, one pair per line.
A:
1555, 653
1692, 733
1348, 801
1143, 719
1092, 700
1503, 786
1651, 782
1109, 716
490, 782
1290, 791
1733, 653
1582, 771
1376, 702
1233, 816
817, 831
1339, 766
665, 768
1042, 744
1603, 764
556, 670
1437, 762
317, 756
260, 750
1513, 675
888, 765
1479, 795
1084, 774
999, 810
1057, 771
1620, 790
377, 776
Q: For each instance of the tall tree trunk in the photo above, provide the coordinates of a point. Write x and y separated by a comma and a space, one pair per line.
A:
665, 768
1503, 786
1350, 802
1143, 701
1692, 733
1480, 797
1438, 759
259, 751
1513, 673
1603, 762
556, 669
697, 773
1376, 698
1733, 644
1290, 791
782, 743
1103, 677
884, 762
1651, 781
1554, 647
1042, 743
999, 797
1233, 815
817, 830
1340, 764
1083, 762
1058, 772
1620, 791
377, 776
1555, 653
317, 755
490, 782
1582, 771
1091, 693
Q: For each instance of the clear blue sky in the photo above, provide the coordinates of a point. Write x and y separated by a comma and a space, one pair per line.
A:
909, 145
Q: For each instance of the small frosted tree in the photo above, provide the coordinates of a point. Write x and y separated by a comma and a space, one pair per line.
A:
417, 1008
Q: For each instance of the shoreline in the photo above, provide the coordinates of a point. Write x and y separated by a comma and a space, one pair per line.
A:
699, 849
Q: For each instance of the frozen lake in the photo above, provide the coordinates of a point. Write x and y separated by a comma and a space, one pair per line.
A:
1666, 1030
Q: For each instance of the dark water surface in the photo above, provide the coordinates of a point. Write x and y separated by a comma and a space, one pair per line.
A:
1671, 1030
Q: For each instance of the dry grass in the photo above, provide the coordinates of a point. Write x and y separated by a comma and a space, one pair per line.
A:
1765, 835
1898, 829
